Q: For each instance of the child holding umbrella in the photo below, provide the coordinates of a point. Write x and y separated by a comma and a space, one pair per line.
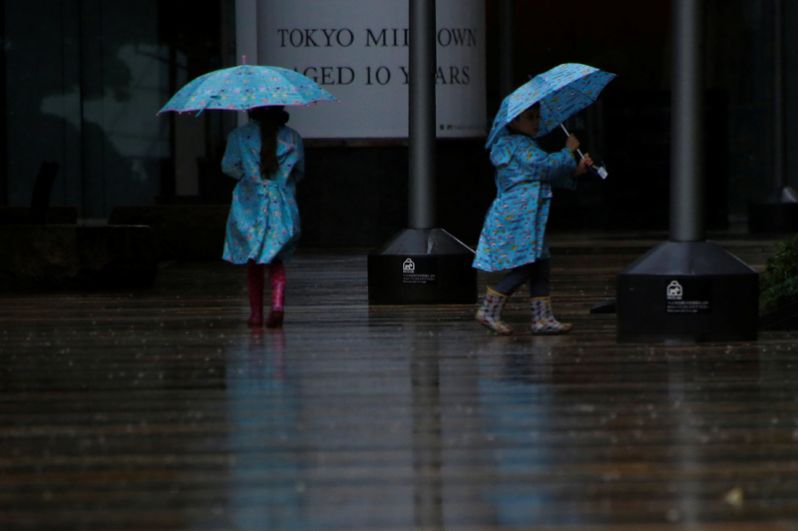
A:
267, 159
513, 234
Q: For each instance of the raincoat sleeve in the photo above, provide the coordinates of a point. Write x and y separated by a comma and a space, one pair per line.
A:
232, 163
554, 167
566, 179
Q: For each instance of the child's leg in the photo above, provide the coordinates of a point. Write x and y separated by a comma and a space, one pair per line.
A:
277, 280
515, 278
543, 320
539, 279
255, 290
490, 311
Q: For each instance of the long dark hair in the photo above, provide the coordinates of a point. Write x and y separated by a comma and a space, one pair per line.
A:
269, 119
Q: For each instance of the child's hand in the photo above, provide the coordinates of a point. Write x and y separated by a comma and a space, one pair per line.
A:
584, 164
572, 143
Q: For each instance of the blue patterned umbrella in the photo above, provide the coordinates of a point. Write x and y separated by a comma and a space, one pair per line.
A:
562, 92
246, 86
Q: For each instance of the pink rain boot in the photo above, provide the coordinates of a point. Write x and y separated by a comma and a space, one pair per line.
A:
255, 289
277, 278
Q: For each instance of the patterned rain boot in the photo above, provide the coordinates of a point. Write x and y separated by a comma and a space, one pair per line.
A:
490, 312
543, 320
277, 279
255, 289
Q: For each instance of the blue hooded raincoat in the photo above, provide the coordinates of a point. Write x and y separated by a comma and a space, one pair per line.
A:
514, 228
263, 223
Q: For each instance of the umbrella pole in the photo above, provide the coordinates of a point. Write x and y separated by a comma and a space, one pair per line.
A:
578, 151
601, 171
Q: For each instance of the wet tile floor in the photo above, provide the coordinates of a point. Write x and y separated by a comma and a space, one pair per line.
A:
159, 409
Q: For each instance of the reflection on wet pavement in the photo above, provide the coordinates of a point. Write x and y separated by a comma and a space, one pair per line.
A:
160, 409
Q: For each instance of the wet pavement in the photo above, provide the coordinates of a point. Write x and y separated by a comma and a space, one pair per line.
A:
160, 409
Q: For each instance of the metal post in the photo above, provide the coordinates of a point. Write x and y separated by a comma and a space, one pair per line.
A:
506, 47
687, 212
687, 270
779, 117
5, 112
422, 121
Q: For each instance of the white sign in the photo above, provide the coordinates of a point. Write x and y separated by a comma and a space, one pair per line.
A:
358, 50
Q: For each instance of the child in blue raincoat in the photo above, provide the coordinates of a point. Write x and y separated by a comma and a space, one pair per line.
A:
267, 159
513, 234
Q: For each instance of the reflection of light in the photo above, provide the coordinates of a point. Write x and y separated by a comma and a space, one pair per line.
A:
515, 385
129, 125
686, 455
262, 409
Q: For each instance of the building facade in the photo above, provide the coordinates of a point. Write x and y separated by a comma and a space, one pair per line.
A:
83, 79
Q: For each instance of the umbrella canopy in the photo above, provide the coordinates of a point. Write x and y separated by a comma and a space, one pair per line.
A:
246, 86
562, 92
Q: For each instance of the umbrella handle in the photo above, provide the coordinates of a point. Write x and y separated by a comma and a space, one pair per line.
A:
579, 151
601, 171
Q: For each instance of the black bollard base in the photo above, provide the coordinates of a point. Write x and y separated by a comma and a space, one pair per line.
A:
688, 291
422, 266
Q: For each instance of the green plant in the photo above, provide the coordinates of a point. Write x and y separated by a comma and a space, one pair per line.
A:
779, 281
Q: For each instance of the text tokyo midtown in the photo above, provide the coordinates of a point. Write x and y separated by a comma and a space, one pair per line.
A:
369, 38
374, 75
